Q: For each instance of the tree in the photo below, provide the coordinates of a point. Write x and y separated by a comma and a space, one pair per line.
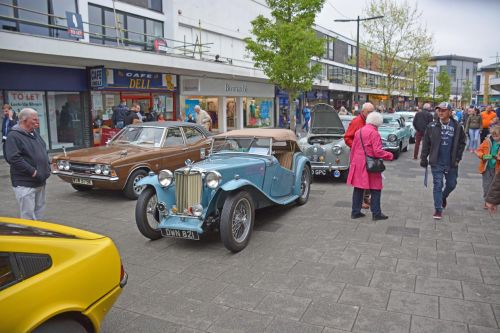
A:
467, 92
284, 45
443, 90
421, 78
399, 38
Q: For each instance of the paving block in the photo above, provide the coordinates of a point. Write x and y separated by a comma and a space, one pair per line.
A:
421, 267
331, 314
244, 298
417, 304
234, 320
430, 325
474, 313
377, 321
481, 292
394, 281
459, 272
283, 305
365, 296
438, 287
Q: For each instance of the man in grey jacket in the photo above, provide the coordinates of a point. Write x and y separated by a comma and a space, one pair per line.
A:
26, 152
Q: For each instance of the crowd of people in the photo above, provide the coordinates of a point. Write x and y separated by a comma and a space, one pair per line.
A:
442, 135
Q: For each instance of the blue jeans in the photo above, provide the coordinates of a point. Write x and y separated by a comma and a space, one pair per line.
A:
474, 138
120, 124
357, 201
306, 125
438, 173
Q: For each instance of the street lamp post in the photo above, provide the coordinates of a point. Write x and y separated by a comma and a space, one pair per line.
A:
357, 20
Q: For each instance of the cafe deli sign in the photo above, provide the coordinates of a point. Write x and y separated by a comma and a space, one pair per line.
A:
106, 78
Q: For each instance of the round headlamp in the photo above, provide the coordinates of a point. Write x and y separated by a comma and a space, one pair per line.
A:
60, 165
337, 150
213, 179
392, 137
98, 169
66, 165
315, 149
197, 210
106, 169
165, 177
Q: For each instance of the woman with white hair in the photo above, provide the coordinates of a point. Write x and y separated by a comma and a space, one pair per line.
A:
367, 139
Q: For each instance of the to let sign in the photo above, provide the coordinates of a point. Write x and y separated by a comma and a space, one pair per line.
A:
75, 24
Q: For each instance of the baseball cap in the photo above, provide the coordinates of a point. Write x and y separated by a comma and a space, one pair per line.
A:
444, 105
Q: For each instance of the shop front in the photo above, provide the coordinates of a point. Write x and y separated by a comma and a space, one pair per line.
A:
231, 104
282, 100
340, 98
317, 96
154, 92
57, 94
379, 101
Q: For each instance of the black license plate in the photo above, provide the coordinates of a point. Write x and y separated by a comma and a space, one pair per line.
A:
319, 172
176, 233
82, 181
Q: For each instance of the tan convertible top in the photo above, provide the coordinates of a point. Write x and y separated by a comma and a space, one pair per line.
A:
277, 134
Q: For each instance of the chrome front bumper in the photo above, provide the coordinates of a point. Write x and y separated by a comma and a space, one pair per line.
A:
328, 167
85, 176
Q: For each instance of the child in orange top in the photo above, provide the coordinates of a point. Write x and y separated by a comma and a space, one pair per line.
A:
488, 152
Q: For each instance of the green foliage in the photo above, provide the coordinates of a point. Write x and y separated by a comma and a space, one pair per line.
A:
467, 92
421, 78
284, 44
443, 89
399, 38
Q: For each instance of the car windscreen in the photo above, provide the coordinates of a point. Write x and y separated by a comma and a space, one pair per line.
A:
249, 145
12, 229
326, 122
390, 122
140, 136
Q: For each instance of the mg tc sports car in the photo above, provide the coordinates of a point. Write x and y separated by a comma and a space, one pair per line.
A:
131, 154
395, 134
54, 278
324, 144
246, 170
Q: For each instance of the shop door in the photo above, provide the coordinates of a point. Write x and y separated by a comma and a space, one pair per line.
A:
144, 100
231, 114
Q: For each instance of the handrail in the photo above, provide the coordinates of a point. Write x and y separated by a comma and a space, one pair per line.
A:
120, 32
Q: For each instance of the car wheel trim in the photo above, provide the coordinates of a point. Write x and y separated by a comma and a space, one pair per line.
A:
304, 184
152, 212
240, 223
137, 188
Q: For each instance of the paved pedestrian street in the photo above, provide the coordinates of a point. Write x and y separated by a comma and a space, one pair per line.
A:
308, 268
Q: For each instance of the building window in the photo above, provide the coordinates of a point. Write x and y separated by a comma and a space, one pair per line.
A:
149, 4
453, 73
36, 17
331, 45
134, 31
467, 72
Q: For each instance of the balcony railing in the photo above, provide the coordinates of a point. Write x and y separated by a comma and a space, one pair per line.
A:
55, 29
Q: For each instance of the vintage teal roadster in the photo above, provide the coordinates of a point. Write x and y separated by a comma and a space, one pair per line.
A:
245, 170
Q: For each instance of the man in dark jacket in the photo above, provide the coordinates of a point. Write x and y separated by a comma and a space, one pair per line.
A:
119, 113
420, 121
443, 146
26, 153
134, 116
8, 120
493, 197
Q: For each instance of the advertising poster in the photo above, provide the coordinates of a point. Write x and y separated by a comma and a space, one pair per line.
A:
31, 99
190, 104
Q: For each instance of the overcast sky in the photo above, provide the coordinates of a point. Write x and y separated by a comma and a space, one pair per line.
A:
463, 27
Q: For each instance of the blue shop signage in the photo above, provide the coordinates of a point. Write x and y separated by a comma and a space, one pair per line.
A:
124, 79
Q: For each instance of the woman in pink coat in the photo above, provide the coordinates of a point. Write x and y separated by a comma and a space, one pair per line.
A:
361, 179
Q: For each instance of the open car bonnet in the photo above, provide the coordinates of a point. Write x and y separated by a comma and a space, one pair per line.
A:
325, 120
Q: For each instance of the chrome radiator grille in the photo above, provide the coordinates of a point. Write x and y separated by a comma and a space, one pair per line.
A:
187, 190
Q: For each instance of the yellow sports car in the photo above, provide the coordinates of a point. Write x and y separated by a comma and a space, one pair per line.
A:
55, 278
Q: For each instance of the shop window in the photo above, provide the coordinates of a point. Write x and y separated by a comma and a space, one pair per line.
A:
258, 112
31, 99
65, 119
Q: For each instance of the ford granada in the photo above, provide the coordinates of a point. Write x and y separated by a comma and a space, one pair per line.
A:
54, 278
324, 143
246, 170
131, 155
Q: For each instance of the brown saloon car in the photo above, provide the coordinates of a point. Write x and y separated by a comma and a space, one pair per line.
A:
132, 154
